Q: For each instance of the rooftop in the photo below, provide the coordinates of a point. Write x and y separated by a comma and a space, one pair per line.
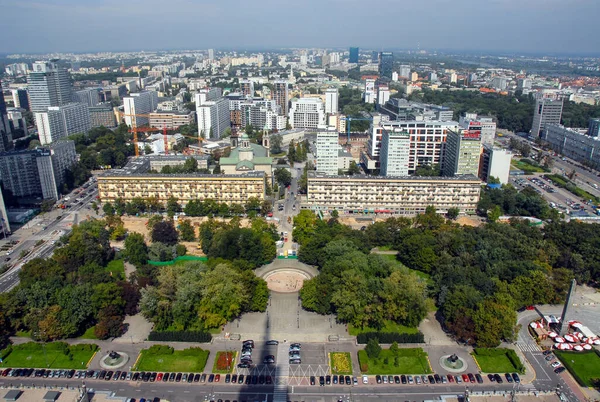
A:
466, 177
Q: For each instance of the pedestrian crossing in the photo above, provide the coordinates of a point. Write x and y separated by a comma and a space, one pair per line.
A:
529, 347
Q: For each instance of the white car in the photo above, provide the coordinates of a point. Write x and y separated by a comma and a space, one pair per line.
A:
365, 379
556, 364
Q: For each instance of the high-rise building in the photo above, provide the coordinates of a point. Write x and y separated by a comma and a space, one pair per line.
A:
369, 95
433, 76
594, 128
374, 56
21, 98
307, 113
88, 96
61, 121
327, 152
547, 111
414, 76
5, 129
462, 153
172, 119
102, 115
383, 94
38, 172
573, 144
48, 85
138, 104
207, 94
495, 162
213, 118
404, 71
247, 87
487, 126
331, 100
394, 76
211, 54
394, 153
280, 95
523, 83
17, 120
386, 64
353, 57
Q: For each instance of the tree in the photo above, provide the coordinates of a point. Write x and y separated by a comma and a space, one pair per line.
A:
110, 323
276, 143
335, 214
136, 251
373, 348
494, 213
283, 177
164, 232
453, 213
187, 231
173, 206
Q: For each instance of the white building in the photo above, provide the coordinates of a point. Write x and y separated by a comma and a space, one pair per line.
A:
331, 100
573, 144
394, 76
61, 121
207, 94
139, 103
211, 54
88, 96
383, 94
48, 85
307, 113
495, 162
404, 71
213, 117
369, 95
547, 111
171, 120
462, 153
327, 152
395, 153
487, 126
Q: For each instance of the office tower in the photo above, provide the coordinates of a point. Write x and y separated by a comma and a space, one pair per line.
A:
374, 56
88, 96
247, 87
594, 128
139, 104
5, 129
38, 172
48, 85
102, 115
21, 98
404, 71
383, 94
432, 76
524, 83
307, 113
334, 58
327, 152
61, 121
211, 54
462, 153
213, 118
386, 64
331, 100
547, 111
487, 126
207, 94
353, 57
280, 95
394, 76
495, 162
369, 90
394, 153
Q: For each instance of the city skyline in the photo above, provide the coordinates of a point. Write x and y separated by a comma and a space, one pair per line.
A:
107, 25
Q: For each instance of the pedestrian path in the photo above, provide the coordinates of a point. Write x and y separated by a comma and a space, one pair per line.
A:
281, 374
529, 347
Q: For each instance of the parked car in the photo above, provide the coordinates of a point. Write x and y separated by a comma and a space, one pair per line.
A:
312, 380
365, 379
516, 378
272, 342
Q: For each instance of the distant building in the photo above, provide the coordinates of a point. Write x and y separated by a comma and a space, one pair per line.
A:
327, 152
307, 113
139, 104
547, 111
383, 94
386, 64
261, 114
211, 54
404, 71
523, 83
171, 120
331, 100
39, 172
594, 128
433, 76
88, 96
573, 144
487, 126
353, 58
369, 95
48, 85
102, 115
5, 128
17, 120
462, 153
394, 76
414, 76
213, 118
248, 157
394, 153
247, 87
280, 95
61, 121
21, 98
500, 83
495, 162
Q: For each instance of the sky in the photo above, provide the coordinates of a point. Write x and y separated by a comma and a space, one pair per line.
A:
528, 26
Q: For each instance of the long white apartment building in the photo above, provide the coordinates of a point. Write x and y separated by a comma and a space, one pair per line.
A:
61, 121
426, 144
327, 152
402, 195
394, 153
307, 113
573, 144
171, 120
487, 126
139, 104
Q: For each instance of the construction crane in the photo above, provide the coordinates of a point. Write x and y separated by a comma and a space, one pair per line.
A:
349, 120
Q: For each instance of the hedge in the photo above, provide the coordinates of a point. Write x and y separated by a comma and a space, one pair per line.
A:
180, 336
390, 337
362, 361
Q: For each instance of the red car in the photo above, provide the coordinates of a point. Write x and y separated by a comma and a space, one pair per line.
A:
159, 377
465, 378
217, 377
450, 378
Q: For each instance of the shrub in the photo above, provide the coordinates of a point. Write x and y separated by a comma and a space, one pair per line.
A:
362, 361
514, 359
390, 337
180, 336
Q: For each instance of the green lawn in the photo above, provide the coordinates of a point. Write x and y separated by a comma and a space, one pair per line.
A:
55, 355
409, 361
527, 167
221, 358
117, 268
161, 359
585, 366
88, 334
390, 326
23, 334
340, 363
495, 361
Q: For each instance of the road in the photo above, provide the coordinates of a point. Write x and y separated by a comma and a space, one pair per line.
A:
38, 237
